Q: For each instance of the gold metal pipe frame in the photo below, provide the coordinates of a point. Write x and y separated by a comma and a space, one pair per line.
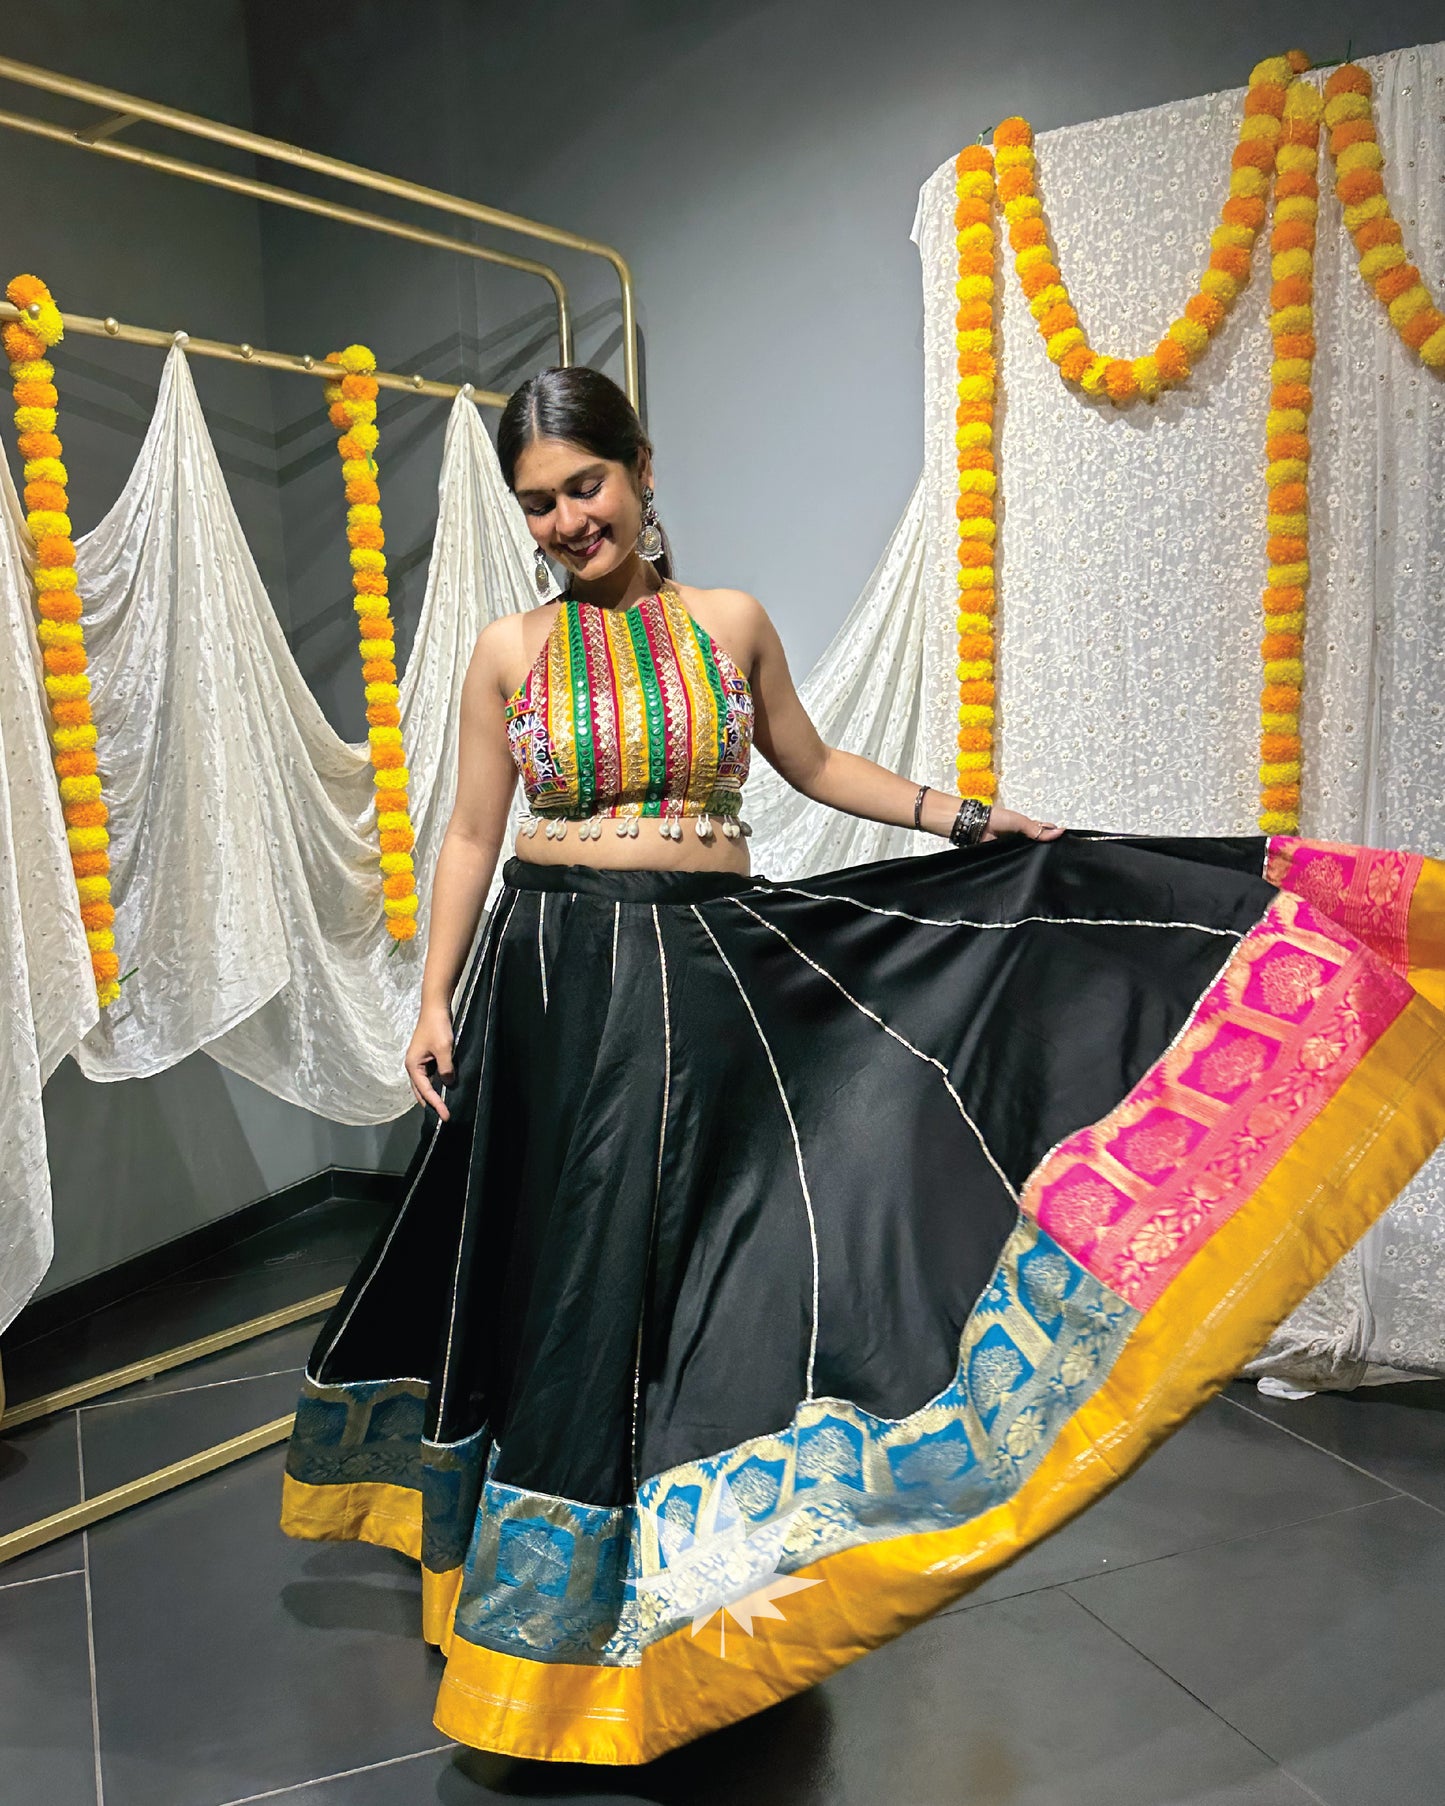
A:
112, 101
263, 360
102, 139
147, 1486
67, 1397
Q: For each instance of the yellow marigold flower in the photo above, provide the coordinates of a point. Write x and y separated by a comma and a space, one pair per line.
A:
1220, 284
1340, 107
1278, 724
393, 777
1146, 374
974, 238
1293, 622
1291, 370
1299, 318
1014, 156
971, 668
1259, 125
969, 623
1405, 307
46, 470
1296, 158
1023, 206
1357, 213
977, 482
1030, 257
1380, 258
385, 736
59, 633
45, 523
1054, 294
363, 558
100, 940
1432, 352
975, 714
365, 436
35, 420
33, 370
391, 863
400, 906
357, 359
975, 388
975, 527
1291, 263
974, 288
1275, 71
1289, 576
1296, 525
382, 693
976, 184
1248, 184
1092, 381
972, 434
977, 338
1286, 420
66, 686
1277, 821
356, 470
87, 840
1284, 671
55, 576
1296, 207
1057, 347
1226, 235
972, 761
1365, 153
1286, 772
73, 739
359, 411
1286, 470
363, 514
80, 790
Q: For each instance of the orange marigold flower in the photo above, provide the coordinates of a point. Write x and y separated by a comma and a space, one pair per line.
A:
1292, 184
90, 865
78, 764
73, 713
383, 714
975, 507
975, 645
65, 660
974, 363
106, 966
1351, 131
86, 815
1280, 699
1286, 548
47, 445
52, 551
1294, 344
968, 413
1282, 645
339, 415
974, 739
35, 395
397, 840
1206, 310
1041, 276
366, 536
399, 884
1253, 153
974, 316
1120, 380
1382, 231
1357, 185
1287, 445
1280, 796
1292, 235
97, 915
1232, 259
48, 498
376, 627
1287, 599
59, 605
1289, 498
1276, 748
1291, 291
369, 583
1349, 78
1059, 318
976, 690
977, 457
363, 490
1027, 232
356, 387
1244, 210
971, 212
1422, 326
1013, 132
1291, 395
976, 263
1264, 97
975, 552
378, 671
1395, 282
21, 345
1171, 357
1014, 182
1076, 361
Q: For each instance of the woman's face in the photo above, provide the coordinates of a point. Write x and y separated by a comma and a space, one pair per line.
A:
584, 511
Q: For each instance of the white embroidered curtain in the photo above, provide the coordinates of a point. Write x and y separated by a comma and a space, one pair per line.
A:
1132, 561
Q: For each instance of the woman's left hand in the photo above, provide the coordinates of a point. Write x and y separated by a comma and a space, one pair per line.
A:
1009, 821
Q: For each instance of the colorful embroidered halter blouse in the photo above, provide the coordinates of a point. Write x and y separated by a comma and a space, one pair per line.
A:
629, 713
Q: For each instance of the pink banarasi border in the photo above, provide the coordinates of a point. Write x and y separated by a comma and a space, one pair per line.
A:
1366, 889
1134, 1196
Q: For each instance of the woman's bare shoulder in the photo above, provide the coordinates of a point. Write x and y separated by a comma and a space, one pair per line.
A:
508, 646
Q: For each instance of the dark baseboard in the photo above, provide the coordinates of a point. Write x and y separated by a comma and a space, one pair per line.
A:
72, 1303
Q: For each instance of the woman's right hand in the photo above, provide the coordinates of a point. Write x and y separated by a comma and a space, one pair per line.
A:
429, 1057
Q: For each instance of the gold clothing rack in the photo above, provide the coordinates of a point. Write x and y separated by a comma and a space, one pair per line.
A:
122, 111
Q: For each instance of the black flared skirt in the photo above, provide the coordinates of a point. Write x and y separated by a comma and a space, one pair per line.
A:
797, 1254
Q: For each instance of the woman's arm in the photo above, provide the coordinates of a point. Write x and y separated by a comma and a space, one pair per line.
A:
473, 839
790, 743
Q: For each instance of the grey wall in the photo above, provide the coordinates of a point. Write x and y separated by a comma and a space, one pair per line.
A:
758, 162
134, 1164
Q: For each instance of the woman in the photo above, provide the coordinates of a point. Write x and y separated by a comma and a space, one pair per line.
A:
781, 1259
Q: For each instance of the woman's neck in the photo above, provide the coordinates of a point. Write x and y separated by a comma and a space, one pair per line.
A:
629, 583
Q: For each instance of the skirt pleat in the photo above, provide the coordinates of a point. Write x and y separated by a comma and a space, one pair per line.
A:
796, 1255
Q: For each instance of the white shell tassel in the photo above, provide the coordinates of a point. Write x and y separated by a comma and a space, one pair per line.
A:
632, 827
529, 824
730, 828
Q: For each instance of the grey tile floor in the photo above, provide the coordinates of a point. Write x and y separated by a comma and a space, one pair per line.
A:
1254, 1618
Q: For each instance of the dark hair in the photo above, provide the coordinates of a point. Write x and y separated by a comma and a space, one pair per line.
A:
584, 407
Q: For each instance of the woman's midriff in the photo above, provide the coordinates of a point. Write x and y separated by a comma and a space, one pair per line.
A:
647, 850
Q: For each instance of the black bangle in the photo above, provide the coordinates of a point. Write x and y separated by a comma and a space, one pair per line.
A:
970, 822
923, 790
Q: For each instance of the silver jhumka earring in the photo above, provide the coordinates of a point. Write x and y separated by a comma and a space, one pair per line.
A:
542, 572
649, 540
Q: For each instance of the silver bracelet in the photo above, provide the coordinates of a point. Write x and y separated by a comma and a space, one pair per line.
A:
970, 823
923, 790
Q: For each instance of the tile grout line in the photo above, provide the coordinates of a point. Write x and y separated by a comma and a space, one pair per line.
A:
89, 1625
8, 1586
140, 1398
1144, 1561
1401, 1492
1175, 1681
366, 1768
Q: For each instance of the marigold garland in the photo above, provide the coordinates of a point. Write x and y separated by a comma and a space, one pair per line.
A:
61, 634
1360, 183
1231, 249
1287, 447
353, 411
977, 474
